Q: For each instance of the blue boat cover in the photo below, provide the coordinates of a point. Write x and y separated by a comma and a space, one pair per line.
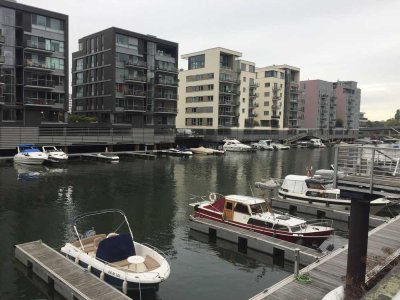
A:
116, 248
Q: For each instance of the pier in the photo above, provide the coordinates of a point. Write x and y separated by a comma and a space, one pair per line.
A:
330, 271
260, 242
67, 278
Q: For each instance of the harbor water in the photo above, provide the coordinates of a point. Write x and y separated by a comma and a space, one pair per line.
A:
39, 202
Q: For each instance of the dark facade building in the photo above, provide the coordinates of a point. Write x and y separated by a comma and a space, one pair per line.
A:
33, 65
126, 78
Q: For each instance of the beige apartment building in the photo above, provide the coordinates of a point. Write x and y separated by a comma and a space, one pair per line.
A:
271, 96
218, 90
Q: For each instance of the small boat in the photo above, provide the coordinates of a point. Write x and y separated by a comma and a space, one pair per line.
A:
108, 157
235, 146
116, 257
303, 144
279, 146
54, 154
206, 151
316, 143
179, 152
318, 189
254, 214
263, 145
30, 155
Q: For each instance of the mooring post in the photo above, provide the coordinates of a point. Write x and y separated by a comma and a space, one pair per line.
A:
296, 262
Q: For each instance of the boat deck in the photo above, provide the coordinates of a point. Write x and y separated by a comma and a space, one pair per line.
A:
69, 280
330, 272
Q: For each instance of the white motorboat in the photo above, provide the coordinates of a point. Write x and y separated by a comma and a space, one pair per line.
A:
54, 154
254, 214
108, 157
316, 143
263, 145
206, 151
30, 155
235, 146
279, 146
319, 190
179, 152
116, 257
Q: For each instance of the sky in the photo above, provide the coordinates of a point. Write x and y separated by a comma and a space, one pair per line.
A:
356, 40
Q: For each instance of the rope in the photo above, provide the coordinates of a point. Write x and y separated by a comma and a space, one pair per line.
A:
304, 278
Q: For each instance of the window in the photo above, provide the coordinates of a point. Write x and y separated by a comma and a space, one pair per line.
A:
196, 62
80, 46
271, 74
282, 75
79, 78
209, 121
267, 84
243, 110
242, 208
266, 103
244, 100
252, 69
243, 67
125, 41
281, 85
229, 205
244, 79
266, 94
244, 89
266, 113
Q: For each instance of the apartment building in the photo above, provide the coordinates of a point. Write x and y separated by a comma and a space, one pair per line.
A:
122, 77
317, 104
33, 65
271, 97
291, 98
218, 90
348, 98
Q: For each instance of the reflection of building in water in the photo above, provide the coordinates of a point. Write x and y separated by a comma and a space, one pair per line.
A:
35, 172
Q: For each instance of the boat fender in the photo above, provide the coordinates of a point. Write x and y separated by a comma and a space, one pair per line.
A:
102, 276
212, 197
77, 260
89, 268
125, 287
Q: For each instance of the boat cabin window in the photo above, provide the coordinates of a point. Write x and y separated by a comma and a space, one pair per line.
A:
313, 194
229, 205
280, 227
315, 186
295, 228
259, 223
242, 208
258, 208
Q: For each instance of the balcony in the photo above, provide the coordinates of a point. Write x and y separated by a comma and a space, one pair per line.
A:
276, 98
2, 39
252, 115
37, 65
275, 117
165, 69
135, 93
135, 108
38, 47
39, 84
166, 110
140, 64
136, 78
275, 89
254, 84
253, 95
229, 92
228, 103
225, 79
38, 102
294, 91
167, 82
166, 96
253, 105
222, 113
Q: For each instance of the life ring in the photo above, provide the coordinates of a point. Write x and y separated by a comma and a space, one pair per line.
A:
212, 197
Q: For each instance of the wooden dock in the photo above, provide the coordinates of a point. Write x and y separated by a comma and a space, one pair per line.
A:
260, 242
68, 279
322, 212
330, 271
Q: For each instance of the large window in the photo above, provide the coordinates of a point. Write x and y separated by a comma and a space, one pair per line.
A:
79, 64
126, 41
47, 23
197, 62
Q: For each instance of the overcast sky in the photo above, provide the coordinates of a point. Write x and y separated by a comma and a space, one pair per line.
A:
329, 40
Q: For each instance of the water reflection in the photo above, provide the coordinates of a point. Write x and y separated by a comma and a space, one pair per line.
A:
35, 172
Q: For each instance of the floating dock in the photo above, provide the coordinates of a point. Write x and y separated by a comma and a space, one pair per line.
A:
329, 273
260, 242
67, 278
322, 212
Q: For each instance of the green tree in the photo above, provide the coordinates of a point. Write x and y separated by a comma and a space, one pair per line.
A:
392, 122
397, 115
80, 119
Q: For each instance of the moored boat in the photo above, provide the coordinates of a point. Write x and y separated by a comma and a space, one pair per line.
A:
263, 145
254, 214
279, 146
206, 151
235, 146
319, 190
54, 154
116, 257
108, 157
30, 155
179, 152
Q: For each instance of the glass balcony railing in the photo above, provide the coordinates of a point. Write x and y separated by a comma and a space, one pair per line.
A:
136, 63
38, 101
40, 83
40, 46
136, 93
163, 81
139, 78
38, 65
172, 110
164, 68
166, 96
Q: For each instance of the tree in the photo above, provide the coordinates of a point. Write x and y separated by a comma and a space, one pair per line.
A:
339, 123
397, 115
80, 119
392, 122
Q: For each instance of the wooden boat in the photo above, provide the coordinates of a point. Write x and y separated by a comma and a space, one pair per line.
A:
254, 214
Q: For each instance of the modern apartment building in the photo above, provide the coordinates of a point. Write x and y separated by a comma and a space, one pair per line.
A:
217, 91
125, 78
348, 98
317, 104
271, 97
33, 65
290, 105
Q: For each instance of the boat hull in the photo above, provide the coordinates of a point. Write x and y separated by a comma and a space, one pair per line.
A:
29, 160
314, 239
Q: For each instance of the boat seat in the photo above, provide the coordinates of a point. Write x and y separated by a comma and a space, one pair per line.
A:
151, 263
121, 263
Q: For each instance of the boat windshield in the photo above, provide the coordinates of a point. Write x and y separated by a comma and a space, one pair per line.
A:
298, 227
259, 208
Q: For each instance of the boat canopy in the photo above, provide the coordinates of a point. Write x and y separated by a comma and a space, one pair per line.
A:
116, 248
295, 184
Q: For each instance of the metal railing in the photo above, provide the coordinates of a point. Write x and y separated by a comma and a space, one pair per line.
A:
40, 83
166, 82
138, 63
166, 68
140, 78
38, 64
39, 101
372, 169
135, 93
166, 110
40, 46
